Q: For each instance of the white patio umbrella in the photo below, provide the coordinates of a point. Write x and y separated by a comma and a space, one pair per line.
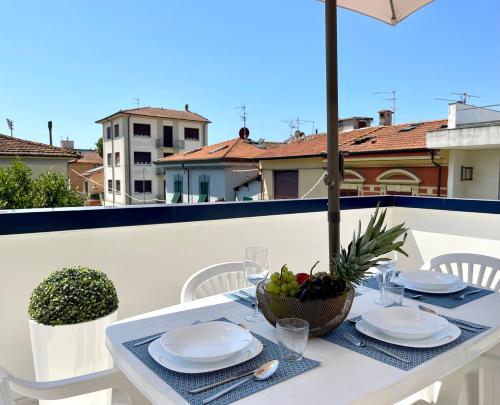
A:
388, 11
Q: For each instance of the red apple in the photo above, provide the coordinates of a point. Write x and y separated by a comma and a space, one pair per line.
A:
301, 277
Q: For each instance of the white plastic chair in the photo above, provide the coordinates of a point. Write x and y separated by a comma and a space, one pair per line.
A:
69, 387
215, 279
479, 270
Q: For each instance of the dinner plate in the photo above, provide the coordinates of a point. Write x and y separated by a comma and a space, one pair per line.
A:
405, 322
173, 363
207, 342
429, 280
459, 286
447, 335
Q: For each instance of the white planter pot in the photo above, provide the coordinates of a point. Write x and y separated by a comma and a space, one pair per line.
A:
69, 351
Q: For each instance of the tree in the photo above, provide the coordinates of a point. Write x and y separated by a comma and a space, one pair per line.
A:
50, 190
98, 146
15, 186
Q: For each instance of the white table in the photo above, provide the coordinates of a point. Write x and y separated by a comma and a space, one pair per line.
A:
344, 376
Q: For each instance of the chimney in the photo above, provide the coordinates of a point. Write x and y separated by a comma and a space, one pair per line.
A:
186, 107
67, 144
49, 124
385, 117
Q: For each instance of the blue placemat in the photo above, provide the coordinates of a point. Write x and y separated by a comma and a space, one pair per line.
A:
181, 383
245, 296
440, 300
416, 355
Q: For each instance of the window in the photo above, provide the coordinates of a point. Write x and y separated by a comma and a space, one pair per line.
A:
204, 193
466, 173
110, 186
116, 130
117, 158
286, 184
168, 136
348, 192
167, 154
142, 158
142, 130
86, 187
108, 132
118, 186
192, 134
177, 198
142, 186
109, 159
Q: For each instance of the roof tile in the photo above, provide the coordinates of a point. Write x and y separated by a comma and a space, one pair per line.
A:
10, 146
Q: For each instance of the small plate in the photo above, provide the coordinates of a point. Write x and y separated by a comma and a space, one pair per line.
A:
459, 286
405, 322
451, 333
207, 342
163, 358
429, 280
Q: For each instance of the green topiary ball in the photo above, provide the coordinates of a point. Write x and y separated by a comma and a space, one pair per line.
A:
72, 295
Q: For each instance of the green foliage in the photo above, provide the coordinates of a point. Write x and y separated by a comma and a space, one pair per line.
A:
98, 146
15, 186
364, 250
49, 190
52, 190
72, 295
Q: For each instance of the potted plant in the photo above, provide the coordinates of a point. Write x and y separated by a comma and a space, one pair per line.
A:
325, 298
68, 314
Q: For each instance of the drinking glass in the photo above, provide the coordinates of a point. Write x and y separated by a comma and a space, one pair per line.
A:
394, 294
292, 335
386, 275
256, 266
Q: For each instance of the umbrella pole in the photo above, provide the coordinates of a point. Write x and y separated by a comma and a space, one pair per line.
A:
332, 177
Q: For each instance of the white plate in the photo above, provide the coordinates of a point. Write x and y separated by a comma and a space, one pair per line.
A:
430, 280
164, 359
451, 289
206, 342
405, 322
447, 335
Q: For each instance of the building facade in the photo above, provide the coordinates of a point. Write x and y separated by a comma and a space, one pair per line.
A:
76, 168
134, 139
472, 141
387, 159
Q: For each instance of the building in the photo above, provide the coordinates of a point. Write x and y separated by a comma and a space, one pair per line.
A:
93, 181
134, 139
387, 159
226, 171
472, 140
76, 168
39, 156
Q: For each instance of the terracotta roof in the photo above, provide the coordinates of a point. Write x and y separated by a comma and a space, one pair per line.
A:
234, 149
161, 113
10, 146
400, 137
90, 157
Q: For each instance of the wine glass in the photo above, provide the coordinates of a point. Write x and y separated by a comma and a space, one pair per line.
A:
256, 266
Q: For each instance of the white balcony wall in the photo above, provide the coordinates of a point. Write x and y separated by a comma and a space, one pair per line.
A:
149, 264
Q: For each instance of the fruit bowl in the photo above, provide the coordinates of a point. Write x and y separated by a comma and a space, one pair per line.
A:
323, 315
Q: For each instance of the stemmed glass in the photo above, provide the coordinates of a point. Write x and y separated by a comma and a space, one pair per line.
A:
256, 266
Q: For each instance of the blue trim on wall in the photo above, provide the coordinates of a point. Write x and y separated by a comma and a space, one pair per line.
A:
65, 219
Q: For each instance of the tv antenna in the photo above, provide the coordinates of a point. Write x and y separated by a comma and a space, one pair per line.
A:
294, 124
392, 99
243, 114
462, 99
10, 124
137, 101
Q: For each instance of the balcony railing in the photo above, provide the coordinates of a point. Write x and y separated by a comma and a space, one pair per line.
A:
154, 257
175, 144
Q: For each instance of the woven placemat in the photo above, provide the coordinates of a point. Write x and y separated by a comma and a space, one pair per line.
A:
440, 300
181, 383
416, 355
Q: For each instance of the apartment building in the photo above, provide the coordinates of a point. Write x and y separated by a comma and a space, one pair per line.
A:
134, 139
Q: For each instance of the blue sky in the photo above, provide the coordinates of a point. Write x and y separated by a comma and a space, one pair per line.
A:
74, 62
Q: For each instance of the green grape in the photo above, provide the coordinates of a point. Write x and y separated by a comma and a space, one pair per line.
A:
294, 284
282, 294
275, 277
270, 287
284, 288
292, 293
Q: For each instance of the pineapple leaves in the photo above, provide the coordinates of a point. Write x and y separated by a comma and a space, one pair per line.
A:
364, 250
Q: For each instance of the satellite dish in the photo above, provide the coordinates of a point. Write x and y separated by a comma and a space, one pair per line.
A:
244, 133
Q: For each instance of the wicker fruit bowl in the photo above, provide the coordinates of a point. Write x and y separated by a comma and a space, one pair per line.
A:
323, 315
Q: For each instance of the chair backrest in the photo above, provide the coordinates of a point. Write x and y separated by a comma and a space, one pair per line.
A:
479, 270
215, 279
5, 391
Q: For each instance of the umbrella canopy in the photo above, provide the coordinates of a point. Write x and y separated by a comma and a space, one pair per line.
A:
388, 11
